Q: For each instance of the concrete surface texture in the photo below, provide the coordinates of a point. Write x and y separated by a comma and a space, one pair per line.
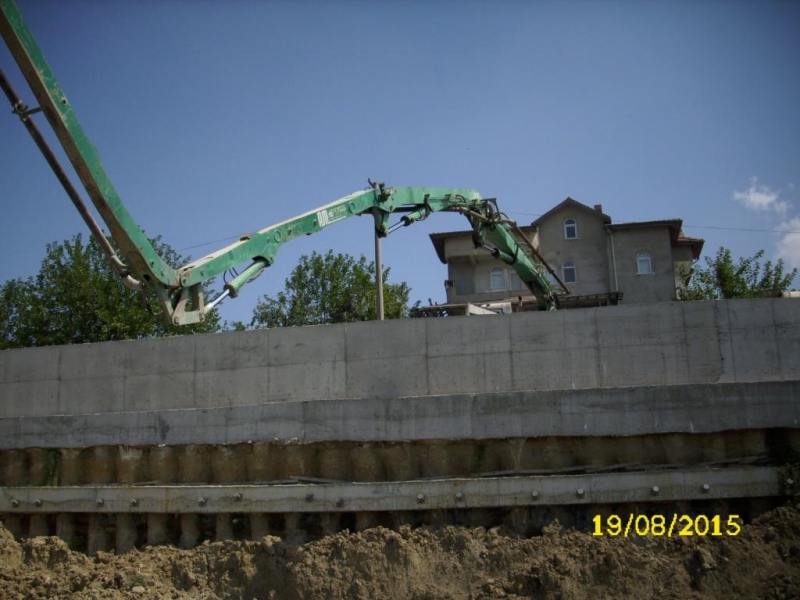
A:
665, 344
632, 411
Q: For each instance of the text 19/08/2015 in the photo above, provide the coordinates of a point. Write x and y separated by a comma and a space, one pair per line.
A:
666, 525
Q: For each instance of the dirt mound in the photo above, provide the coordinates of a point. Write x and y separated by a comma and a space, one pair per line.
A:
451, 563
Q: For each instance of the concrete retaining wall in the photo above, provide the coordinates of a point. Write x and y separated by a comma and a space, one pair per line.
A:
623, 346
704, 408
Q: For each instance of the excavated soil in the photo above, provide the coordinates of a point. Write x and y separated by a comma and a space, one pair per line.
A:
451, 563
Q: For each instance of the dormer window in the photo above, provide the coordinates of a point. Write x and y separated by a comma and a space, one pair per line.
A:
570, 229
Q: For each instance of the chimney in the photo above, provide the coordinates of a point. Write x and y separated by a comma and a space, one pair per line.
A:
598, 208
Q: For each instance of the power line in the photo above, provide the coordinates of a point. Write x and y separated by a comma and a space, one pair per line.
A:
742, 229
514, 212
749, 229
225, 239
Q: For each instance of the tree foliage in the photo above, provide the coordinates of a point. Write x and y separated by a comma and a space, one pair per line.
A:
723, 279
334, 288
76, 297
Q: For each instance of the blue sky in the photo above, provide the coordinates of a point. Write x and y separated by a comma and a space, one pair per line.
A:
218, 118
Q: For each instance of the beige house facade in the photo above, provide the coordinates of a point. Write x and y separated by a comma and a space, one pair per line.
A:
600, 262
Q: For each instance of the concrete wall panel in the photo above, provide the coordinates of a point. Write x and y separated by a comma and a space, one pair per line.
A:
536, 331
158, 356
385, 339
153, 392
499, 416
232, 387
306, 381
343, 419
446, 417
622, 365
283, 422
29, 364
387, 377
455, 374
725, 337
107, 394
753, 340
90, 361
622, 411
118, 429
703, 351
787, 337
29, 398
302, 345
474, 335
498, 372
555, 369
619, 346
580, 330
641, 324
676, 364
234, 350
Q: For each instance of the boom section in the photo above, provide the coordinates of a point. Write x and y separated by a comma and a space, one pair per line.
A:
379, 201
137, 251
490, 231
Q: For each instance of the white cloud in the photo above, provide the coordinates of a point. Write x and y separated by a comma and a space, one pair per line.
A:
788, 247
761, 198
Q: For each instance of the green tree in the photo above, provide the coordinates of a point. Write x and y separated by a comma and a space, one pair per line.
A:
335, 288
77, 297
722, 278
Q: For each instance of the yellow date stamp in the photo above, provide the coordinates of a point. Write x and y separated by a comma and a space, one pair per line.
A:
666, 525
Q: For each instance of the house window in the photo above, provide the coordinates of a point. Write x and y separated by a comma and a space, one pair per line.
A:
570, 229
497, 279
644, 265
569, 272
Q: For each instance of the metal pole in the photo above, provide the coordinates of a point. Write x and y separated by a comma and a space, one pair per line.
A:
378, 276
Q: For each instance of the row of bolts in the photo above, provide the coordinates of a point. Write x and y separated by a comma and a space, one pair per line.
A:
580, 492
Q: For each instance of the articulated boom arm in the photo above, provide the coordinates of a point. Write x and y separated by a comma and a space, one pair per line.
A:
489, 227
179, 290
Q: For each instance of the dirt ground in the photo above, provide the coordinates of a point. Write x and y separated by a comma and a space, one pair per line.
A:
763, 561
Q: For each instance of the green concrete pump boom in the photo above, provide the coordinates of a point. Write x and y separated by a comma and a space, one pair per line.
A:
179, 290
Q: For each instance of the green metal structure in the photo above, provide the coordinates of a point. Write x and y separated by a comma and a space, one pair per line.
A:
179, 290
